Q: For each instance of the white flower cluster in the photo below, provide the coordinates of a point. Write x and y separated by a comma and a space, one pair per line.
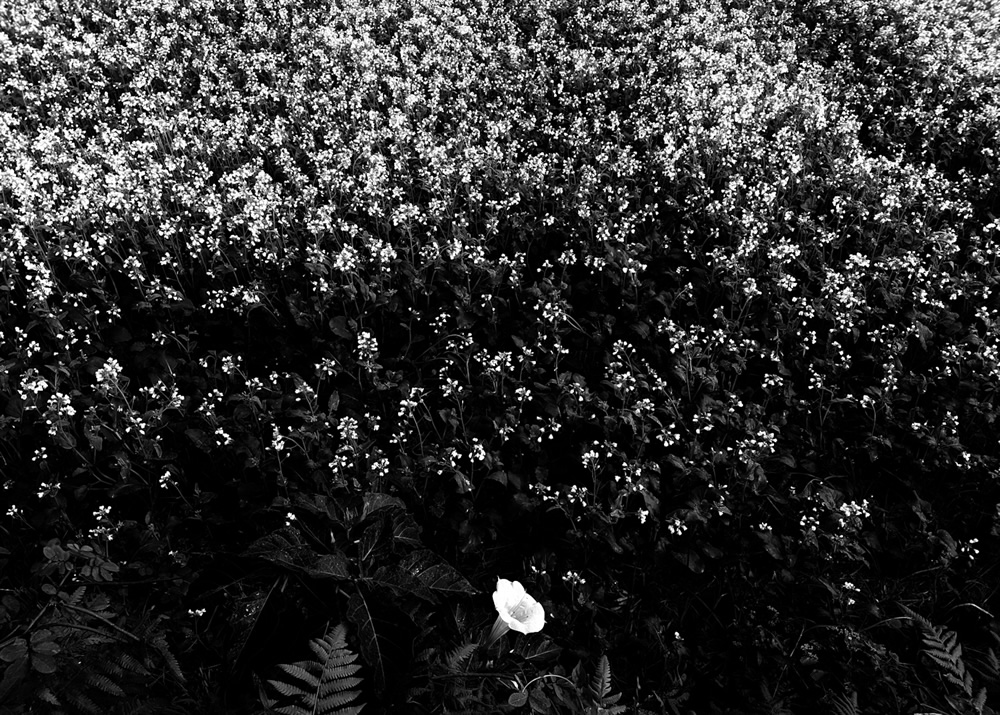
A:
31, 386
109, 375
367, 349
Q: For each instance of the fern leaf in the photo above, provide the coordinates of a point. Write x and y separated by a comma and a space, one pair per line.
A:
601, 685
289, 691
336, 700
132, 665
994, 664
83, 703
77, 596
121, 667
987, 665
47, 696
323, 686
923, 622
611, 699
97, 639
160, 643
944, 650
844, 704
459, 656
979, 702
337, 683
104, 683
298, 671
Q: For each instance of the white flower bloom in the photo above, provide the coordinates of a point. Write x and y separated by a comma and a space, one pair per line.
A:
516, 610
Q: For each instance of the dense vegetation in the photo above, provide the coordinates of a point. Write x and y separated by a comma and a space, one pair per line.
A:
320, 316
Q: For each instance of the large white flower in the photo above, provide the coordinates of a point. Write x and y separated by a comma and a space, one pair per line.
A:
516, 610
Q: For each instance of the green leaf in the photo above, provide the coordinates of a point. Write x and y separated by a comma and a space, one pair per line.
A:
690, 559
435, 573
44, 664
341, 327
373, 648
540, 651
330, 566
404, 529
518, 699
772, 545
13, 674
16, 650
401, 584
369, 540
376, 500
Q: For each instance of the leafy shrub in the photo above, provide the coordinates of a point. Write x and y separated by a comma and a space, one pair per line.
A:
684, 314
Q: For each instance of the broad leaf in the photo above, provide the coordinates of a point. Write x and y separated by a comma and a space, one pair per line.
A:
371, 638
435, 573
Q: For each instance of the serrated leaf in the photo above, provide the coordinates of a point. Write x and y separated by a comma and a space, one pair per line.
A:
460, 655
601, 684
297, 671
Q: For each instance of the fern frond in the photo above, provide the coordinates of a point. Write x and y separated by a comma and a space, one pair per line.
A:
941, 646
459, 656
923, 622
121, 667
77, 596
601, 685
600, 689
984, 665
160, 643
104, 684
323, 686
98, 639
83, 703
47, 696
979, 702
297, 671
844, 704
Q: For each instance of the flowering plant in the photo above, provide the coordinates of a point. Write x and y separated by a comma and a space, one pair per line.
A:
516, 610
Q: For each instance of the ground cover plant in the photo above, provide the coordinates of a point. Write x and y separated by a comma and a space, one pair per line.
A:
324, 322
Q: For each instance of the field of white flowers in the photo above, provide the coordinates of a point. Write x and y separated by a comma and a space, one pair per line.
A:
318, 317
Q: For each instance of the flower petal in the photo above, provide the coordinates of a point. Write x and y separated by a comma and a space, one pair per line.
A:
532, 621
